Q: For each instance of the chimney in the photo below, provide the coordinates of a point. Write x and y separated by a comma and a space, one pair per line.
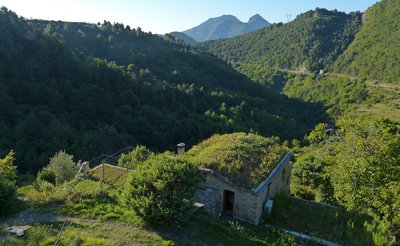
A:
181, 148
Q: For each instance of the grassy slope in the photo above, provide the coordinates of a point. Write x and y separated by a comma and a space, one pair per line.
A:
201, 231
112, 175
92, 224
330, 223
384, 101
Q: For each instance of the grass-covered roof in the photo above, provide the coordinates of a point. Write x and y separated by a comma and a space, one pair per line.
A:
245, 159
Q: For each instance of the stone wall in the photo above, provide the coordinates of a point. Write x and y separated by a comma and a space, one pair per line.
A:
278, 184
245, 204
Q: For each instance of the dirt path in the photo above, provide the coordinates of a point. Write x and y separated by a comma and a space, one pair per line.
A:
384, 85
30, 216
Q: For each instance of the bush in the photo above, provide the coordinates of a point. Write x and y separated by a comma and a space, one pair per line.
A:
7, 193
304, 192
46, 192
380, 231
12, 241
160, 190
135, 157
39, 233
46, 174
63, 167
7, 168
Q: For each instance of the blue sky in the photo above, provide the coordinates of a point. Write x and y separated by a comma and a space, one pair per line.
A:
162, 16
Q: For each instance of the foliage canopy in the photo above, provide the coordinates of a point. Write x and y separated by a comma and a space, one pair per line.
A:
357, 167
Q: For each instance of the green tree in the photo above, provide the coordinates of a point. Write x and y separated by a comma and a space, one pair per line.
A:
63, 166
366, 175
318, 134
135, 157
161, 189
7, 168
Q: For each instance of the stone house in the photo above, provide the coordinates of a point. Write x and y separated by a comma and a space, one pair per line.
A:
218, 195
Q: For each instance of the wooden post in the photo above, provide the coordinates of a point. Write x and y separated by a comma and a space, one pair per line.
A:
85, 167
102, 173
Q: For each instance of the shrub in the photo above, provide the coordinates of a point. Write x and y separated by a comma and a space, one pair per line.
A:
47, 174
304, 192
160, 190
7, 193
380, 231
37, 234
44, 191
63, 167
135, 157
12, 241
7, 168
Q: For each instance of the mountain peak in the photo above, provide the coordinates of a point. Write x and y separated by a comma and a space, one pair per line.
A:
258, 19
225, 26
222, 18
226, 17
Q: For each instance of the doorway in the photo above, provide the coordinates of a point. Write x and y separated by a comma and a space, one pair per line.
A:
229, 201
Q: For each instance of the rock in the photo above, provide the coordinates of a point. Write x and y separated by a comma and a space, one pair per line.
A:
17, 230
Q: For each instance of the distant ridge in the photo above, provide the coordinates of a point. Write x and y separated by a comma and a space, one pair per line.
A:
225, 26
184, 37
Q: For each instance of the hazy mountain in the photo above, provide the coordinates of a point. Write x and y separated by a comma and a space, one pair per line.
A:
184, 37
225, 26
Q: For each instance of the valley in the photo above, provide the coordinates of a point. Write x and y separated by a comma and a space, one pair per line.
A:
321, 90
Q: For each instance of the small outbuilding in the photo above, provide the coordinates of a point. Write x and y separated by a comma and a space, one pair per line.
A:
242, 173
218, 194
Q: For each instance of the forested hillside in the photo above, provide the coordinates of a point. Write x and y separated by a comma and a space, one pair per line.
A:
92, 89
312, 41
375, 52
337, 93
